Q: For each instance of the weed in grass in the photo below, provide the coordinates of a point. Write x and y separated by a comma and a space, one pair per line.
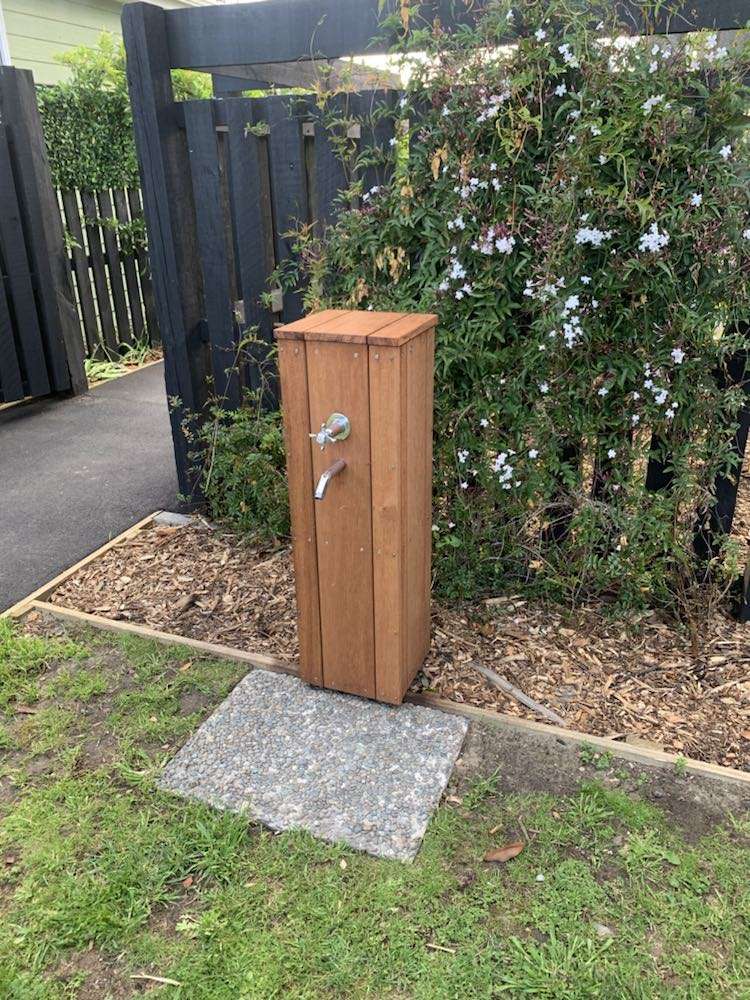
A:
22, 659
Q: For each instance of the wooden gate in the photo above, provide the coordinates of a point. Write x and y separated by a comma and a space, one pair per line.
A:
226, 183
41, 350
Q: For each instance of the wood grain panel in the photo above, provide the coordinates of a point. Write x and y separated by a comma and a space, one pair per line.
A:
295, 404
417, 456
387, 437
338, 381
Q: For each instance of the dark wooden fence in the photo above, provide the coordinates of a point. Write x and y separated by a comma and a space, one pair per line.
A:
109, 262
41, 350
221, 197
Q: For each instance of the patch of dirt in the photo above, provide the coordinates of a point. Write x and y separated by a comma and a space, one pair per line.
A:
105, 976
532, 762
648, 680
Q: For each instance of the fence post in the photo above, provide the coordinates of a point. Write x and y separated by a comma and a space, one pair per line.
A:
170, 219
43, 225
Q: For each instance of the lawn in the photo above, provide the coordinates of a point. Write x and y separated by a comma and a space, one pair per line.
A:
104, 878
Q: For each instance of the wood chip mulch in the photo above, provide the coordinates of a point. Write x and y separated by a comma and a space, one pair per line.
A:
646, 680
193, 581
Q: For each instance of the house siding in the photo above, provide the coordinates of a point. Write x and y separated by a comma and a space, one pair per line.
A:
38, 30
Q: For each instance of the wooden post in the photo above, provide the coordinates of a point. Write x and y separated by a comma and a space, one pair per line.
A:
170, 218
362, 551
61, 328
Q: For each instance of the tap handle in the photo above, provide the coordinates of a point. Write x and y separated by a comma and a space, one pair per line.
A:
336, 428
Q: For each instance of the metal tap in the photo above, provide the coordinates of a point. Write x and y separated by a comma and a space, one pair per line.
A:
336, 428
333, 470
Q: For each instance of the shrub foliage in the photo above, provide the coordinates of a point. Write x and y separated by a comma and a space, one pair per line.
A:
575, 209
88, 125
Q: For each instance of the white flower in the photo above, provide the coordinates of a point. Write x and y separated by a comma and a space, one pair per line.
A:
464, 485
496, 183
510, 15
635, 419
403, 102
575, 114
678, 355
696, 199
611, 453
653, 66
669, 414
533, 453
392, 141
725, 152
655, 50
660, 396
446, 111
544, 388
457, 223
540, 34
593, 236
462, 456
595, 130
649, 105
572, 302
505, 244
653, 240
567, 55
585, 279
746, 234
561, 89
604, 391
595, 303
602, 159
484, 422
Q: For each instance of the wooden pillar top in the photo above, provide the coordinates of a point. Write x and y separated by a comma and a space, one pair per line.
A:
350, 326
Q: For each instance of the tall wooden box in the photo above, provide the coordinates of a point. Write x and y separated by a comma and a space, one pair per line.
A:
362, 551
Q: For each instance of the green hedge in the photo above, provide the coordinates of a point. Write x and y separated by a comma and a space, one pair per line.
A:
87, 120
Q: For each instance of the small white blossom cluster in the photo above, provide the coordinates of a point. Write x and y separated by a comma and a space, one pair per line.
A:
659, 393
653, 240
649, 104
491, 106
594, 237
544, 291
472, 185
568, 57
371, 193
504, 470
710, 53
494, 239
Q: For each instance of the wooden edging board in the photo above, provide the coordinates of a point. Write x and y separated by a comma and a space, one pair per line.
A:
20, 607
626, 751
571, 737
263, 660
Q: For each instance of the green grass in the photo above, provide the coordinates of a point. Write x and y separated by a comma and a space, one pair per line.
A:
97, 864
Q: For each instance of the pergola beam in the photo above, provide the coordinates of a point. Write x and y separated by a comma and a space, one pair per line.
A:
339, 74
286, 31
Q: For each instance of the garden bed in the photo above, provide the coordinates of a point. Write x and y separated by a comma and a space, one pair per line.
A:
644, 680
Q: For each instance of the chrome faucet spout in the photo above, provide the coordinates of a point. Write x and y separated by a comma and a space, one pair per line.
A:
333, 470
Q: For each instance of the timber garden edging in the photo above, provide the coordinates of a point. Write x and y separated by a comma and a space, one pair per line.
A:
264, 661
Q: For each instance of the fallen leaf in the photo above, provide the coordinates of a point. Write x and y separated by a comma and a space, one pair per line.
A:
187, 882
506, 853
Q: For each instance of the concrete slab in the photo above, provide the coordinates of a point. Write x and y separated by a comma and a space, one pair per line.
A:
344, 768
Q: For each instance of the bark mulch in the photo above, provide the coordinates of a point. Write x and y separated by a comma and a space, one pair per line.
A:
648, 680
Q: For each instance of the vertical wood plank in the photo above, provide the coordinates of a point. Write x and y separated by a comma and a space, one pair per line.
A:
144, 272
112, 256
170, 216
40, 212
246, 193
295, 404
217, 296
81, 270
388, 432
96, 260
13, 246
330, 175
130, 270
417, 479
288, 186
11, 382
338, 381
